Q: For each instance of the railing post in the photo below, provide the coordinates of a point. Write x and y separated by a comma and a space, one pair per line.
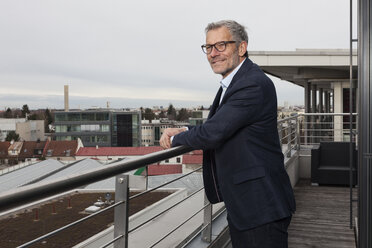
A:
121, 211
289, 139
280, 131
147, 177
298, 133
207, 232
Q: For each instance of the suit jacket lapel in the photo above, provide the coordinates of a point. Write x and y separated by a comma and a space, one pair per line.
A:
243, 69
215, 103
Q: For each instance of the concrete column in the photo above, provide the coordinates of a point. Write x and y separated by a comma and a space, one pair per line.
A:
337, 108
320, 98
307, 97
313, 99
326, 102
313, 133
306, 125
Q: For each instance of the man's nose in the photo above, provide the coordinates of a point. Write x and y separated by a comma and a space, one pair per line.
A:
214, 52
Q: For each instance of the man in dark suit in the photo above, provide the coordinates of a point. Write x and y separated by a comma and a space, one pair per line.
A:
242, 158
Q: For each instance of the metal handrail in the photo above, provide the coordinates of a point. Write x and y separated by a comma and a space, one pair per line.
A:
112, 241
288, 118
198, 232
166, 210
164, 184
20, 196
177, 227
326, 114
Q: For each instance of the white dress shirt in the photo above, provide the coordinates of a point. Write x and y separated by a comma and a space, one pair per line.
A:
225, 82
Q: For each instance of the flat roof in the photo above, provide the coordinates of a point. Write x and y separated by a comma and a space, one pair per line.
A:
319, 66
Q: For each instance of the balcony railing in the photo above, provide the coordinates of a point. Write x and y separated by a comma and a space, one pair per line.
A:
295, 131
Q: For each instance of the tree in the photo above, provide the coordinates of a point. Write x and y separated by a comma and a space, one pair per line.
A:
162, 114
142, 113
12, 135
35, 116
8, 113
48, 120
149, 115
183, 115
25, 110
171, 113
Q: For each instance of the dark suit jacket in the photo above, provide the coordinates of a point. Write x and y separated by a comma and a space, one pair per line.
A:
243, 162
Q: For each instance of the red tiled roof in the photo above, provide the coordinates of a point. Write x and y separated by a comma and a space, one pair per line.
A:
4, 149
16, 146
29, 147
164, 169
61, 148
192, 159
117, 151
196, 152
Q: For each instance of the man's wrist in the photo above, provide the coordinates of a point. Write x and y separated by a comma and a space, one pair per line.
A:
183, 129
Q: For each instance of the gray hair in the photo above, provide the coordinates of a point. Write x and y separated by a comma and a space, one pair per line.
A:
237, 30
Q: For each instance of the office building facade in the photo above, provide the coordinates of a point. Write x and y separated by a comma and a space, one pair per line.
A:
99, 127
151, 132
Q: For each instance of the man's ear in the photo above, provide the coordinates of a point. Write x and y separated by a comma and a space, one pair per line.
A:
242, 48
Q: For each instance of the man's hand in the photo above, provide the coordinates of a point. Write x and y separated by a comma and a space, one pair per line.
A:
165, 141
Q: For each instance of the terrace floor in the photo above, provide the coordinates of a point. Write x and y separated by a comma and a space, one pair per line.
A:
322, 217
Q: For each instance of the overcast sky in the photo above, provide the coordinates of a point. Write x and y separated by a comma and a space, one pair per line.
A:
145, 52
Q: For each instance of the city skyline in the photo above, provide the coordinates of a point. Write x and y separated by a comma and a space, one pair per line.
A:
144, 53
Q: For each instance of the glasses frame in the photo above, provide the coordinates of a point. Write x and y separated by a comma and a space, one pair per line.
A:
204, 47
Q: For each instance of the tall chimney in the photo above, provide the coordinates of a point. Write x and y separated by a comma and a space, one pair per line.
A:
66, 98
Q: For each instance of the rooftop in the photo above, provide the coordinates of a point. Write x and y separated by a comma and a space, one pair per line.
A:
94, 110
18, 229
61, 148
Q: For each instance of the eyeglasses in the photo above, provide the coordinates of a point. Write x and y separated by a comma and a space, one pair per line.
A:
219, 46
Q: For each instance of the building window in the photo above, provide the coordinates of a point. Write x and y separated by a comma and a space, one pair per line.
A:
87, 116
105, 128
61, 128
75, 128
85, 139
90, 128
49, 152
166, 161
102, 116
178, 160
102, 139
74, 117
60, 117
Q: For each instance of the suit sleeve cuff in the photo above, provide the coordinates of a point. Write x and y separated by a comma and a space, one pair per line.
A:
187, 129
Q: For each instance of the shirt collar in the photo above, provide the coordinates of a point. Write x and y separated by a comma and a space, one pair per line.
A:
227, 80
